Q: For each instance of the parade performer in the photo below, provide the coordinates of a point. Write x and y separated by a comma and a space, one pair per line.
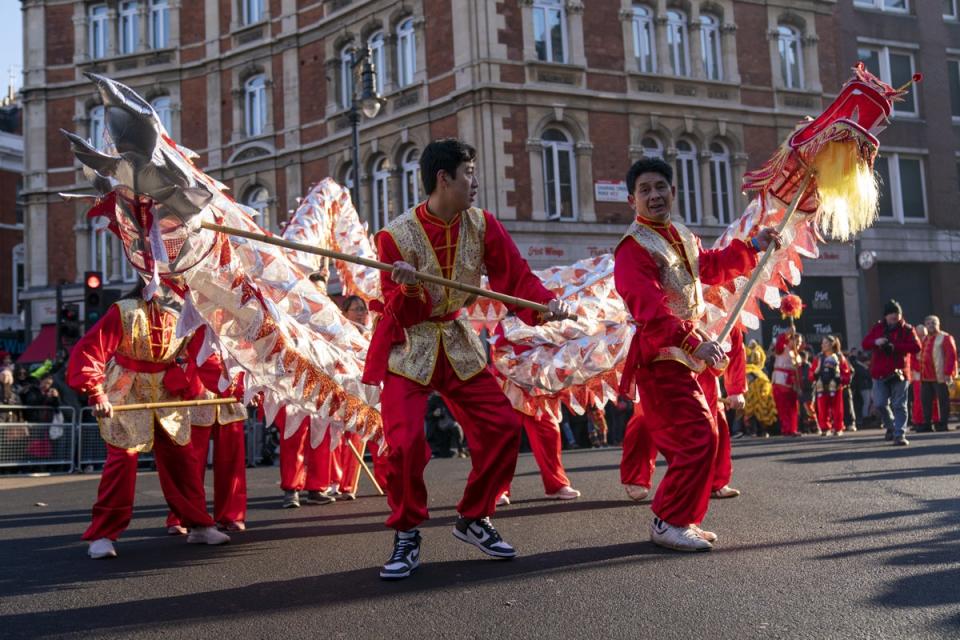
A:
421, 344
938, 369
223, 424
830, 373
133, 355
786, 351
659, 266
759, 406
916, 396
303, 467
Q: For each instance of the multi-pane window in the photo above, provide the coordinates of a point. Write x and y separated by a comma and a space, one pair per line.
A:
346, 76
644, 46
106, 255
895, 68
252, 11
953, 80
710, 46
379, 58
678, 43
97, 34
894, 6
902, 192
411, 179
164, 112
258, 199
159, 24
791, 63
550, 30
559, 175
97, 128
129, 27
652, 148
381, 192
951, 10
406, 53
688, 182
721, 192
346, 179
255, 105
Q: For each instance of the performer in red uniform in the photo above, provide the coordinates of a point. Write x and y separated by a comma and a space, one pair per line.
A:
830, 373
938, 369
302, 466
132, 355
658, 269
786, 352
421, 344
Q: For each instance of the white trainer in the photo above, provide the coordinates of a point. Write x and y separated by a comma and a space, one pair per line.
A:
565, 493
637, 492
102, 548
709, 536
503, 499
207, 535
677, 538
726, 491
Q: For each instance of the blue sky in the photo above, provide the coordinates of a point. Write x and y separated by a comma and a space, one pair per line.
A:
11, 35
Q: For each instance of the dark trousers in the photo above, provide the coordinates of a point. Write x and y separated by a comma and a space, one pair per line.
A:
927, 391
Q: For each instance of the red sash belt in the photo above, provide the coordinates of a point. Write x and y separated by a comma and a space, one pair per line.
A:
177, 382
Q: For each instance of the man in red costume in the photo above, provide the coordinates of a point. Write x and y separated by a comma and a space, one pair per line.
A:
422, 344
302, 466
938, 368
786, 360
132, 355
659, 266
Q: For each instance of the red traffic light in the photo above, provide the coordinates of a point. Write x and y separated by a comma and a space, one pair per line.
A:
93, 280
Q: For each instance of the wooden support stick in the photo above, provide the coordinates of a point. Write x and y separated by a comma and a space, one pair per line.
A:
376, 264
363, 465
176, 404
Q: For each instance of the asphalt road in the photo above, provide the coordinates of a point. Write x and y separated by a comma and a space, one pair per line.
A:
832, 538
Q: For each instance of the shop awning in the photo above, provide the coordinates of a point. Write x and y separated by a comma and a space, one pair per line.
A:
43, 347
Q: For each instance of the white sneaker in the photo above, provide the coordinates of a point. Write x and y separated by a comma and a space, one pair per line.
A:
709, 536
503, 499
176, 530
677, 538
726, 491
637, 492
102, 548
207, 535
565, 493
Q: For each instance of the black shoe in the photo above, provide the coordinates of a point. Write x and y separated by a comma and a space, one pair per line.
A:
481, 534
888, 436
291, 499
319, 497
405, 558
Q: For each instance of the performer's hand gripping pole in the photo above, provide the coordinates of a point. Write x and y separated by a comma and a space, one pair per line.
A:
745, 294
383, 266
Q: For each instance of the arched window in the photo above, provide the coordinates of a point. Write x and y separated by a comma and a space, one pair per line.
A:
159, 24
411, 179
252, 11
688, 182
97, 34
258, 199
346, 76
710, 46
720, 182
651, 147
97, 128
678, 43
129, 26
346, 176
379, 59
406, 53
381, 193
791, 65
550, 30
559, 175
644, 41
255, 105
164, 112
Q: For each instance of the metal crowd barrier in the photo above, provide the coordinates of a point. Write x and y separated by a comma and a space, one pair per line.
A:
31, 444
91, 449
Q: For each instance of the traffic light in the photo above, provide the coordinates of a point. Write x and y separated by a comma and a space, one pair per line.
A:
92, 297
69, 321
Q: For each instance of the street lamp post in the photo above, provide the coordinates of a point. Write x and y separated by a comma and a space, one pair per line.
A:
367, 101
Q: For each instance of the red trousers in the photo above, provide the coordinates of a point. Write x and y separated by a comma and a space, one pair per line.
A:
546, 444
229, 470
302, 466
788, 409
682, 427
830, 412
179, 480
491, 425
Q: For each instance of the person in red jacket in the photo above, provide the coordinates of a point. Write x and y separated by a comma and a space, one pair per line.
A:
938, 369
892, 340
658, 269
786, 361
830, 373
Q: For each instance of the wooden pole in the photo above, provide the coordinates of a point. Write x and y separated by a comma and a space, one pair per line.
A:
745, 294
363, 465
176, 404
376, 264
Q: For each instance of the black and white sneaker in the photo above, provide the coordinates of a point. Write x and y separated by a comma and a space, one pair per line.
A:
405, 558
481, 534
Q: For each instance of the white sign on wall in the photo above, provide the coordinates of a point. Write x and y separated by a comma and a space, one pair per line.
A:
610, 190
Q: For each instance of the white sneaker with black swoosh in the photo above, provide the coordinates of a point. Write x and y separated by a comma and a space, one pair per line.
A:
405, 558
481, 534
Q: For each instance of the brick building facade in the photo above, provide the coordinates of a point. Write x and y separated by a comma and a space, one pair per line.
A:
558, 96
